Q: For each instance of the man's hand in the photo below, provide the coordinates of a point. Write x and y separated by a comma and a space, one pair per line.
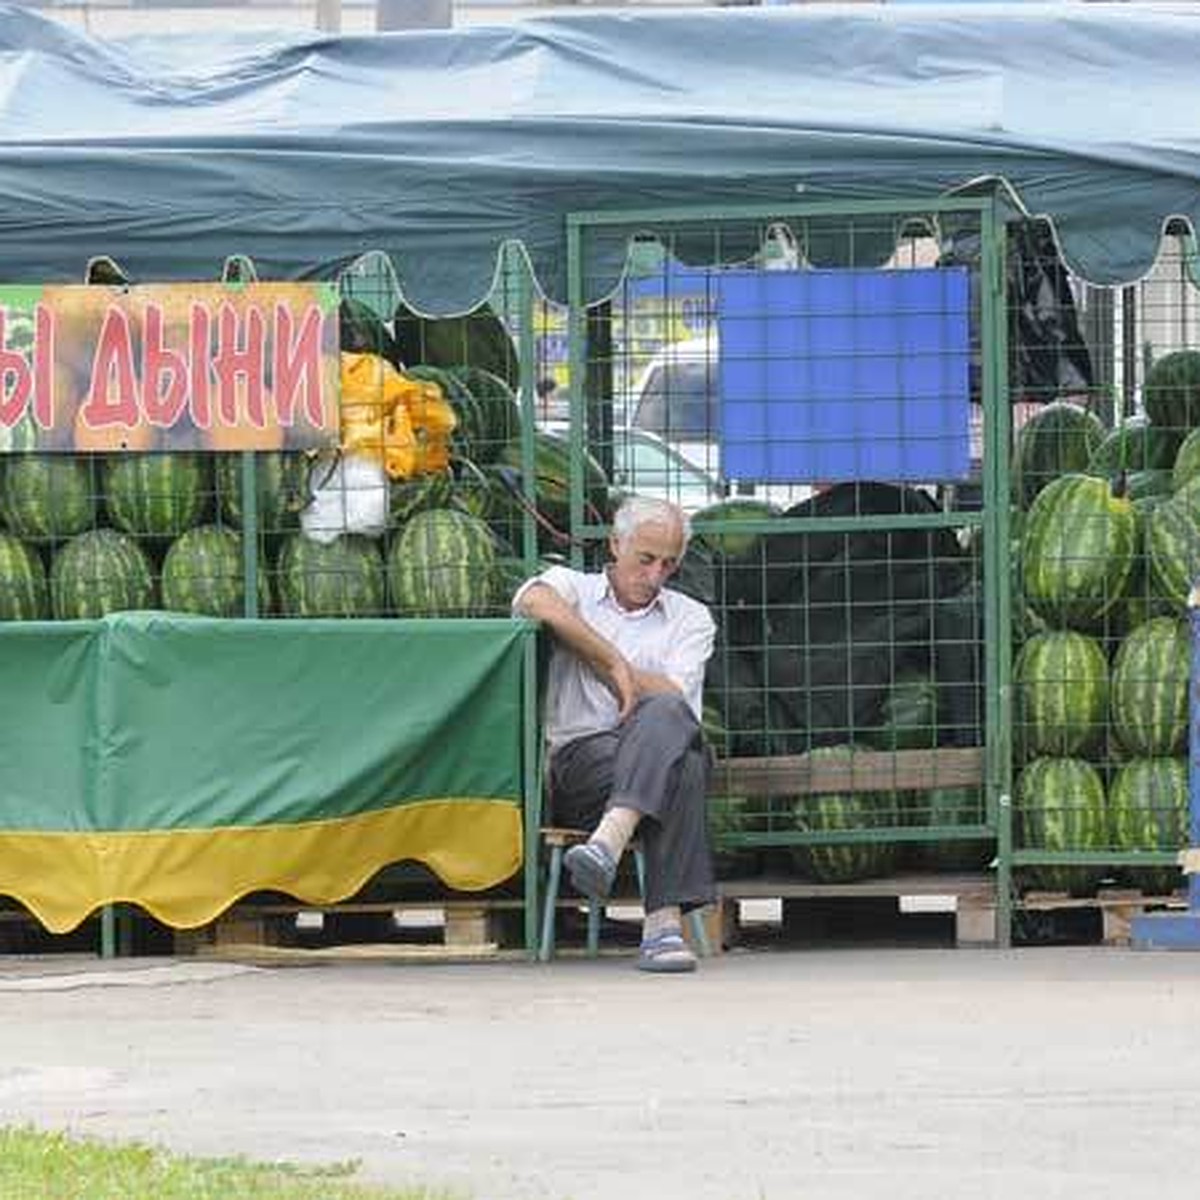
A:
542, 603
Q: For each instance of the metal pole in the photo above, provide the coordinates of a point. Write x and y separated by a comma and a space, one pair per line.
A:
329, 16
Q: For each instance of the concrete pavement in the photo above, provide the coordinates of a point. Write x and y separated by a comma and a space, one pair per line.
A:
810, 1074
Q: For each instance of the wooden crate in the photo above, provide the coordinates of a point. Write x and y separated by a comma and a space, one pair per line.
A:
451, 929
1117, 907
970, 899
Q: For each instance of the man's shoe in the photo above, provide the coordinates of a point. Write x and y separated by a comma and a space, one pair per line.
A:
591, 869
666, 954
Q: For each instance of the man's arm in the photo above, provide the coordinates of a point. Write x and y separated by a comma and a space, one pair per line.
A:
540, 602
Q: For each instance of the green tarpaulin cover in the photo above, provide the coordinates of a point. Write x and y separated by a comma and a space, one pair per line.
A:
181, 762
435, 147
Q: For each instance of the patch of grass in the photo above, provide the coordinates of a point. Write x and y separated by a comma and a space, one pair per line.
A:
35, 1165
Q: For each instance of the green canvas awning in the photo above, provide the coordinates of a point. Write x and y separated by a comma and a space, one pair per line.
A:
436, 147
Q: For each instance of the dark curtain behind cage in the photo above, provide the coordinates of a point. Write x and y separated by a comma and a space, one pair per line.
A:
1048, 356
814, 634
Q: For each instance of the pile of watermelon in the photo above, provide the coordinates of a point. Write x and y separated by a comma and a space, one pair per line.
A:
1108, 550
85, 535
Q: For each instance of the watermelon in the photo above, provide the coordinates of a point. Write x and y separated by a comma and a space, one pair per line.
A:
486, 492
908, 715
1077, 550
471, 437
282, 488
725, 538
1059, 438
1172, 538
499, 409
156, 495
99, 572
204, 573
1149, 688
1134, 446
343, 578
1148, 484
1148, 810
729, 816
552, 479
407, 497
1187, 460
1061, 687
1171, 394
49, 496
830, 812
949, 807
23, 592
443, 564
1060, 807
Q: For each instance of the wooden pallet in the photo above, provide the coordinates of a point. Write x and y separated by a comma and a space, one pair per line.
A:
449, 929
971, 899
1117, 907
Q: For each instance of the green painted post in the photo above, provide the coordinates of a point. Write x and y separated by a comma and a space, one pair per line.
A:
108, 931
997, 559
249, 484
577, 374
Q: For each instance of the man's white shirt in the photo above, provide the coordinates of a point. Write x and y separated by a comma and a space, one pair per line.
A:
672, 636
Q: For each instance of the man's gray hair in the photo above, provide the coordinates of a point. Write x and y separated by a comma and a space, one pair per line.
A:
636, 511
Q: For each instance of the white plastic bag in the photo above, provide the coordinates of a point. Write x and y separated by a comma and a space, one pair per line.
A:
349, 495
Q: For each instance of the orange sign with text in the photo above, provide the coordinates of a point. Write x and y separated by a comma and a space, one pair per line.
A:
194, 366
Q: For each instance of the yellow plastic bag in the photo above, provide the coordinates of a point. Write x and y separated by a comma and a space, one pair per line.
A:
404, 423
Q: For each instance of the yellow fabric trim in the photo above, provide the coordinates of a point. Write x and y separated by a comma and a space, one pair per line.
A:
187, 877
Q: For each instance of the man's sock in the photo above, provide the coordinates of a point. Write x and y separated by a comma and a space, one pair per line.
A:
615, 829
661, 920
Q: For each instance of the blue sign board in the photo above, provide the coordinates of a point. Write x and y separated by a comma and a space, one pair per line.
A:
840, 375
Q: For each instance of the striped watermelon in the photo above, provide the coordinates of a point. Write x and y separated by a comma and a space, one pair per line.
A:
100, 572
1187, 460
832, 812
1077, 550
156, 495
1172, 391
729, 816
203, 572
1059, 438
23, 592
552, 479
949, 807
1060, 807
341, 579
1148, 810
725, 538
499, 408
443, 564
1061, 687
1148, 484
1135, 445
406, 497
1150, 688
1141, 601
1172, 537
282, 490
492, 494
472, 436
49, 496
908, 715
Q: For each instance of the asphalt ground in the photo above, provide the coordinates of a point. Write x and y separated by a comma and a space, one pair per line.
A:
813, 1074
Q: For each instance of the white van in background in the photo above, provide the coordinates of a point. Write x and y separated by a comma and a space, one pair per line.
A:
676, 398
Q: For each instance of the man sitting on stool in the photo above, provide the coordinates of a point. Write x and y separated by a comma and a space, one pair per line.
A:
623, 706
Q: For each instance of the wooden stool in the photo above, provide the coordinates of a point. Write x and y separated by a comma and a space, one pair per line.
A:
558, 840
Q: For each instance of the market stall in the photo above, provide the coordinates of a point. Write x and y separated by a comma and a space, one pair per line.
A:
977, 151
